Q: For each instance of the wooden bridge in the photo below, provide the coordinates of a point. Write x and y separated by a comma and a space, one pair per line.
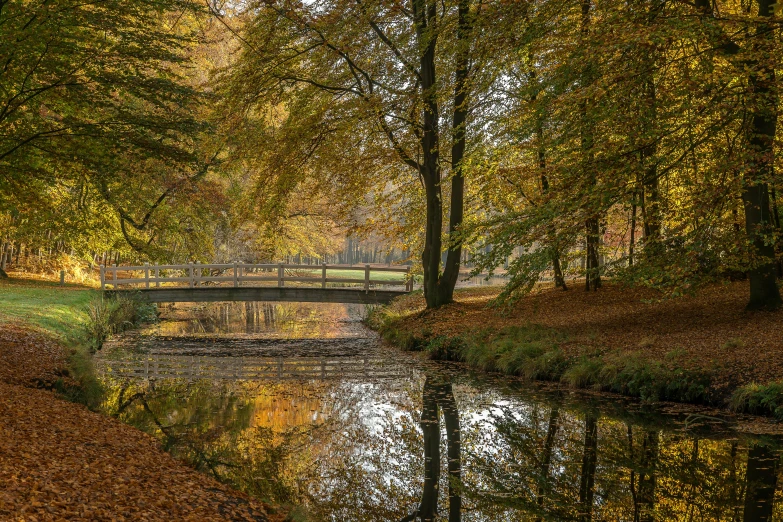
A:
197, 282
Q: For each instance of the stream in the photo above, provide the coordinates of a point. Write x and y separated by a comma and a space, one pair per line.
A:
300, 405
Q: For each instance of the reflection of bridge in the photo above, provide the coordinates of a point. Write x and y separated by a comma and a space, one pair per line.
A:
195, 282
191, 367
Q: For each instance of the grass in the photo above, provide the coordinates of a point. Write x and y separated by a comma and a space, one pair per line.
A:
58, 310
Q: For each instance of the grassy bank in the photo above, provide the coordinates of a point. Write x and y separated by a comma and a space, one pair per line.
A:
75, 318
701, 349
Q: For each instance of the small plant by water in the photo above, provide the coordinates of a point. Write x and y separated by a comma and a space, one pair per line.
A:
759, 399
111, 315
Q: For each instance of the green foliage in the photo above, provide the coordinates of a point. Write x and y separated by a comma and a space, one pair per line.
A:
637, 376
759, 399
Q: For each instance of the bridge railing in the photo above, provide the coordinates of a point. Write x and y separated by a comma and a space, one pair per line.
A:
194, 275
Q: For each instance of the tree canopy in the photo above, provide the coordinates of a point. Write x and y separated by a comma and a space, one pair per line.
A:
563, 139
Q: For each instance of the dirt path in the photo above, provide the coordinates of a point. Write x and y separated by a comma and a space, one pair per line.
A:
60, 461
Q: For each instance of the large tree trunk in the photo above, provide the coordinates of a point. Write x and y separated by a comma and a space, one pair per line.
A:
451, 269
761, 478
424, 12
592, 226
760, 171
649, 118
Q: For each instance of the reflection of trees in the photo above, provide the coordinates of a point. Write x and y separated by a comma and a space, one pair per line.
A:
439, 395
534, 463
643, 475
215, 429
359, 457
589, 460
761, 480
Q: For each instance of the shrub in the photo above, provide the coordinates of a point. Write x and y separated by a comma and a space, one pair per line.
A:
759, 399
111, 315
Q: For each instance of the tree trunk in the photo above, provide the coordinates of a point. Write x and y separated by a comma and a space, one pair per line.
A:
764, 293
632, 244
592, 229
451, 269
425, 12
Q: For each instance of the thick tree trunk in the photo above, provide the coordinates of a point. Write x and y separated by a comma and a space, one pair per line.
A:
425, 15
761, 478
649, 119
592, 228
452, 266
760, 171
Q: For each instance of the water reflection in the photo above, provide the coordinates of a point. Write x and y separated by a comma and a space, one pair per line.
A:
424, 442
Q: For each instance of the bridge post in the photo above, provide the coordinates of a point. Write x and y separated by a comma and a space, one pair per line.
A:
190, 275
197, 280
323, 276
157, 277
114, 276
366, 278
280, 274
236, 278
146, 275
409, 282
103, 277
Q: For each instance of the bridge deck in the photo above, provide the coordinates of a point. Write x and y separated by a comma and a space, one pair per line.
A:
294, 294
259, 282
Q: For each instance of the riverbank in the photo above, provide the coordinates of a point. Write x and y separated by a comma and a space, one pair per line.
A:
701, 349
58, 459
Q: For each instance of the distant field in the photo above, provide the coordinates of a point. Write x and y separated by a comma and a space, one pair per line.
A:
348, 273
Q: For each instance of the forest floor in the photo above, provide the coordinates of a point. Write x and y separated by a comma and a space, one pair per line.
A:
61, 461
708, 334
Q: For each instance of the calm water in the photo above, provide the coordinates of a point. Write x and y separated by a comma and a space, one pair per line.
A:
299, 404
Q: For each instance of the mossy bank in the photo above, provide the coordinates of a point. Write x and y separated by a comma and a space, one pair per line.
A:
628, 342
